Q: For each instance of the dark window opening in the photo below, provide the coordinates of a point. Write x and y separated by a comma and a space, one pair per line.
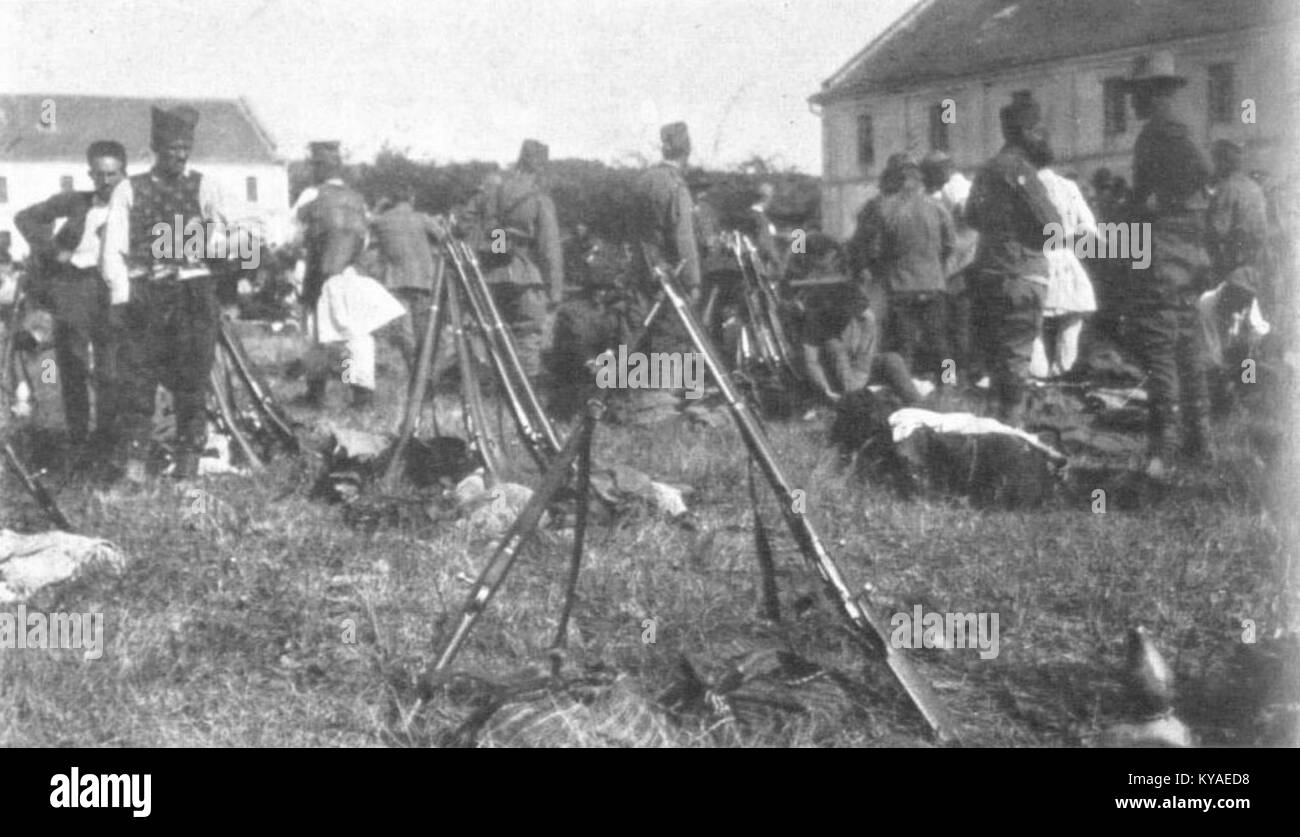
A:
1115, 107
1222, 93
866, 141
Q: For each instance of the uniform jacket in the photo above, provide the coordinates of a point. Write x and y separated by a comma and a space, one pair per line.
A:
1010, 209
36, 222
403, 238
906, 238
665, 223
1167, 165
1237, 225
527, 215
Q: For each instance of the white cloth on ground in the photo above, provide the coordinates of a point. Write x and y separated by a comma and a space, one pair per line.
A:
909, 420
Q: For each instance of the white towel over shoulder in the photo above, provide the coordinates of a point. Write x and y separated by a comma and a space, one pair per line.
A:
352, 305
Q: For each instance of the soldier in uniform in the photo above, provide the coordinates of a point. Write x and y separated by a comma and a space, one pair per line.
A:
69, 262
1169, 176
907, 238
328, 217
1010, 209
519, 237
405, 239
165, 306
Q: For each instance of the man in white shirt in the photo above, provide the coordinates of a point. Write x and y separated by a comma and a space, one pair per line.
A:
67, 266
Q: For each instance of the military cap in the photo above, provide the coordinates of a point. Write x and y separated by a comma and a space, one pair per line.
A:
533, 155
1022, 114
173, 124
325, 151
676, 139
1155, 70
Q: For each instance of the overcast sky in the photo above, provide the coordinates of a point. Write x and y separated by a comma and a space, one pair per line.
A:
465, 79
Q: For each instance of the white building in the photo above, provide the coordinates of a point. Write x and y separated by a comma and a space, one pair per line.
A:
43, 140
938, 76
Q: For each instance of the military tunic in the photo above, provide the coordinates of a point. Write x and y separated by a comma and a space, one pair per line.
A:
1010, 209
1169, 174
530, 271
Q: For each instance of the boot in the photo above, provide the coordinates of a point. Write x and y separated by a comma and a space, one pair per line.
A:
1196, 441
362, 398
187, 465
314, 397
1163, 442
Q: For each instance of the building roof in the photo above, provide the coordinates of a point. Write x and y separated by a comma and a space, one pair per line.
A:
227, 131
938, 39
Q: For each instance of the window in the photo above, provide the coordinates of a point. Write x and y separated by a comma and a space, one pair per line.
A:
1115, 107
938, 128
1222, 93
250, 189
4, 190
65, 183
866, 141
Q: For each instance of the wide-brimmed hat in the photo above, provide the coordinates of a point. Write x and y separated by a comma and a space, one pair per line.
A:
1155, 70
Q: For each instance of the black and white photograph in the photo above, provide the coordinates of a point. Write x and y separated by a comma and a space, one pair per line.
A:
650, 374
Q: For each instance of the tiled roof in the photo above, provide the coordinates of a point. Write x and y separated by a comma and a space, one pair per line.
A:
939, 39
227, 131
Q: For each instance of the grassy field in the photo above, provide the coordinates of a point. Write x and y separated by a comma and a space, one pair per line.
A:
264, 620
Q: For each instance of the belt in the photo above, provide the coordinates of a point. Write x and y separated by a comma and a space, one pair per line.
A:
161, 273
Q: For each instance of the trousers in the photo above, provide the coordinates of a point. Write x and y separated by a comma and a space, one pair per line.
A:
1006, 314
81, 327
170, 338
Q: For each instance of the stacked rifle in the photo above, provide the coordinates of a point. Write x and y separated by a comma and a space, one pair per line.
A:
466, 300
763, 343
855, 610
263, 420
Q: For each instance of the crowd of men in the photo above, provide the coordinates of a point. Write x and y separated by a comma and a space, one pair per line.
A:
945, 278
984, 276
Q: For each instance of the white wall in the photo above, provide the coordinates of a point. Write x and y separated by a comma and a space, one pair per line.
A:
30, 183
1072, 99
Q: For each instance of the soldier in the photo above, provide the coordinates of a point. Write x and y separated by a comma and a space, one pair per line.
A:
1010, 209
836, 329
328, 217
1169, 176
405, 237
951, 189
908, 237
164, 302
519, 238
765, 234
69, 262
1236, 237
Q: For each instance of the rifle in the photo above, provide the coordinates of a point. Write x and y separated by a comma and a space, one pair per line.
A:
226, 412
531, 420
36, 489
865, 627
238, 358
419, 383
475, 417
